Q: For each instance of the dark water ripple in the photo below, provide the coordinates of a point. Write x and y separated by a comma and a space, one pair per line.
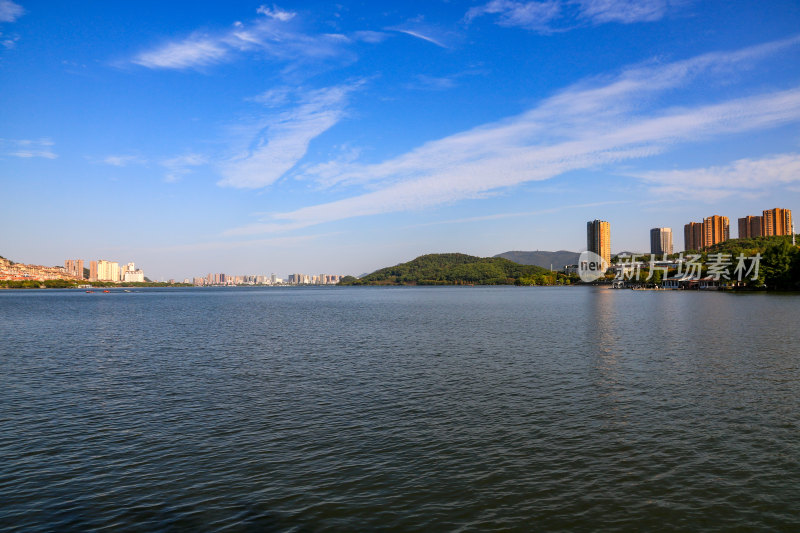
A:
398, 409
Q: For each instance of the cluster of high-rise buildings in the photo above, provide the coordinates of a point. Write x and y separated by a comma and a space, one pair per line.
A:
716, 228
102, 270
771, 222
696, 235
292, 279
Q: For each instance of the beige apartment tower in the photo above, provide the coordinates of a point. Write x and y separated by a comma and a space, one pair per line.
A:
776, 222
106, 270
598, 239
661, 241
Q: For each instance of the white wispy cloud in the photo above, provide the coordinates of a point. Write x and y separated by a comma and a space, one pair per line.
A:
179, 166
10, 11
420, 35
276, 13
276, 35
369, 36
123, 160
625, 11
537, 16
283, 139
192, 52
419, 28
8, 41
557, 15
27, 148
590, 125
724, 180
432, 83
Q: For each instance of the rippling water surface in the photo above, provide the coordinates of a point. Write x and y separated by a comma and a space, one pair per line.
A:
402, 409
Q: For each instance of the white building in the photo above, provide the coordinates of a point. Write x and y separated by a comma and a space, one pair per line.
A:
130, 274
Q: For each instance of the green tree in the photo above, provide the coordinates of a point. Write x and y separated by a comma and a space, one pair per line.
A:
779, 267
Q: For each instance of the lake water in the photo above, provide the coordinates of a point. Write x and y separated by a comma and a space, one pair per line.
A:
402, 409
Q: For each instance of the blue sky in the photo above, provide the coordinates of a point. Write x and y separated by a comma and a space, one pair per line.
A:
251, 138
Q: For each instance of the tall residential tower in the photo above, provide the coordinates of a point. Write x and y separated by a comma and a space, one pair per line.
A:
715, 229
693, 236
750, 226
598, 239
776, 222
661, 241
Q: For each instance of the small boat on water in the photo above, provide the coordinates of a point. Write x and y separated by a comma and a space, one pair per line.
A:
89, 291
106, 291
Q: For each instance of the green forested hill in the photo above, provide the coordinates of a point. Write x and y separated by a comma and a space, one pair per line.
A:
459, 269
780, 261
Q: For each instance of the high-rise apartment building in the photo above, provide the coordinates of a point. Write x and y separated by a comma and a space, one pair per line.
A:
92, 270
699, 236
776, 222
716, 229
750, 226
693, 236
106, 270
74, 267
598, 238
661, 241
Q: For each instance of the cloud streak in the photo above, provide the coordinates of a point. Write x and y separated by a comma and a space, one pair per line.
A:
743, 175
586, 126
276, 35
179, 166
123, 160
550, 16
27, 148
10, 11
284, 139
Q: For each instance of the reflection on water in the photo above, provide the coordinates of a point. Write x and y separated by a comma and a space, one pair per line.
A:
409, 409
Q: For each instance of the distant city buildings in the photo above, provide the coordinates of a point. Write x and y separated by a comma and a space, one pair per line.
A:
293, 279
715, 229
702, 235
11, 271
103, 270
598, 239
74, 268
777, 221
661, 241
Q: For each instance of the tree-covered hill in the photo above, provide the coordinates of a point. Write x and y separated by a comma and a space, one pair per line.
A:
780, 261
459, 269
748, 246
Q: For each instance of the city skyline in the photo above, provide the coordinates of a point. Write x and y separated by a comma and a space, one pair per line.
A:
307, 137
